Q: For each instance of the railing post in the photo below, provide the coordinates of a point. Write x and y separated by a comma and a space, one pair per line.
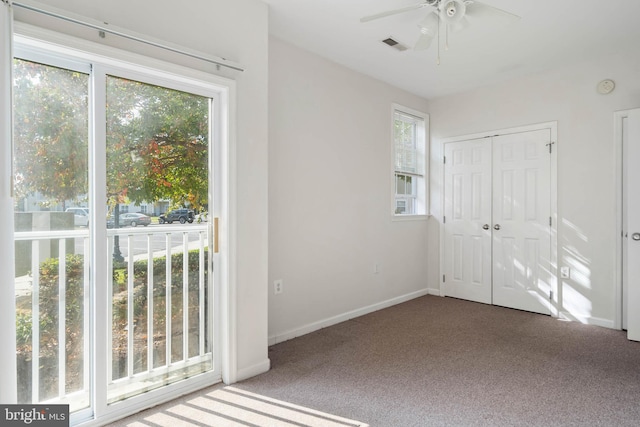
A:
8, 385
62, 317
168, 322
87, 312
202, 284
150, 303
185, 296
130, 309
35, 321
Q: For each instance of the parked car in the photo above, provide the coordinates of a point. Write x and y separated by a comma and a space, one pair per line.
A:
132, 219
80, 216
182, 215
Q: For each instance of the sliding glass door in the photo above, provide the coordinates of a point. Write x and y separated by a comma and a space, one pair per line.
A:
114, 181
52, 241
157, 152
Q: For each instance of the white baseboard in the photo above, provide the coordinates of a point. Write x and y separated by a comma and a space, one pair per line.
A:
252, 371
434, 291
588, 320
311, 327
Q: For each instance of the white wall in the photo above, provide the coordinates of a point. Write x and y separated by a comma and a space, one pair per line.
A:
237, 30
330, 193
586, 180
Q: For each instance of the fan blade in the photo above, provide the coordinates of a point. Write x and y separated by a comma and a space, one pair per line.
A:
460, 25
482, 10
393, 12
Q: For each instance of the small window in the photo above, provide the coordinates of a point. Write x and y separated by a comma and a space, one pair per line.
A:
409, 162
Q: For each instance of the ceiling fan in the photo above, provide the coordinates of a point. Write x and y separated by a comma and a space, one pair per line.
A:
452, 14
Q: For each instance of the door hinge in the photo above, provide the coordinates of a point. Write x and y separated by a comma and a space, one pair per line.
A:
444, 219
444, 160
550, 145
444, 278
550, 222
550, 295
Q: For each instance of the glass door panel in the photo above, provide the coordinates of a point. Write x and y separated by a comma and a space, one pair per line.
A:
157, 189
52, 240
155, 283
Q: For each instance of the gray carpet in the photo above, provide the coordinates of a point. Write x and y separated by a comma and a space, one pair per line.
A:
444, 362
431, 362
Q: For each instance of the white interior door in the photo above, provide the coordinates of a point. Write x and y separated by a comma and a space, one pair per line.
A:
521, 221
632, 242
497, 241
467, 220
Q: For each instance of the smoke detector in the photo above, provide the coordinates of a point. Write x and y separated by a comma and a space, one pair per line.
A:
606, 86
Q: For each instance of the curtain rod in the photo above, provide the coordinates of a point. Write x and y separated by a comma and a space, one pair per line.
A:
220, 62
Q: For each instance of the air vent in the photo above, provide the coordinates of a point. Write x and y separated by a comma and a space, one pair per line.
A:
394, 44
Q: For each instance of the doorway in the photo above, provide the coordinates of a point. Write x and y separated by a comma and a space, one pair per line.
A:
498, 218
116, 311
627, 130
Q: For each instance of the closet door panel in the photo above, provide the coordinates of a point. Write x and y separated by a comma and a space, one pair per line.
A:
521, 212
467, 241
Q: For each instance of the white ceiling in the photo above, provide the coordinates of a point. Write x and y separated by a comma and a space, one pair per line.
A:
550, 33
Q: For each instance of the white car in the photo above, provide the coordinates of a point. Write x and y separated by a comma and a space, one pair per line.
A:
201, 217
80, 216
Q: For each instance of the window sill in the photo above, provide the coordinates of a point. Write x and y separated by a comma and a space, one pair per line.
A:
401, 218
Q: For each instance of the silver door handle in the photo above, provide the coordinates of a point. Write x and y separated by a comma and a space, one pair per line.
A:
496, 227
635, 236
485, 227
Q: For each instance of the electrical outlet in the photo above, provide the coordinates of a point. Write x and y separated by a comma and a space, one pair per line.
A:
565, 272
277, 286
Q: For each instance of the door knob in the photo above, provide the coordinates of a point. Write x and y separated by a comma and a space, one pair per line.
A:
486, 226
635, 236
496, 227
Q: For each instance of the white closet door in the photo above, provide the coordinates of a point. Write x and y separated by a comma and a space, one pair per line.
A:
632, 243
467, 210
521, 215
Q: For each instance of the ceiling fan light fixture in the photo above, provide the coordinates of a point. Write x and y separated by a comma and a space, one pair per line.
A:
428, 30
429, 24
452, 11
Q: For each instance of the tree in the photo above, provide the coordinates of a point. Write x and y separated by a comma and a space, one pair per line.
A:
50, 131
157, 144
157, 138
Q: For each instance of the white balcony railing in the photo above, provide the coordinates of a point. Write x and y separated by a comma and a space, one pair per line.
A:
160, 328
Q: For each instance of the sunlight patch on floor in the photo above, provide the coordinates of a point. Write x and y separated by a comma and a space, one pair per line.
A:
231, 407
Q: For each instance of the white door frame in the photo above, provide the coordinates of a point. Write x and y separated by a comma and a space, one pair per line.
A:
225, 168
556, 300
618, 151
618, 143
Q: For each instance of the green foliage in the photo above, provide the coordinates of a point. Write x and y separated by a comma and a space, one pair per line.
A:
159, 264
74, 312
157, 138
50, 131
48, 308
157, 144
24, 330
